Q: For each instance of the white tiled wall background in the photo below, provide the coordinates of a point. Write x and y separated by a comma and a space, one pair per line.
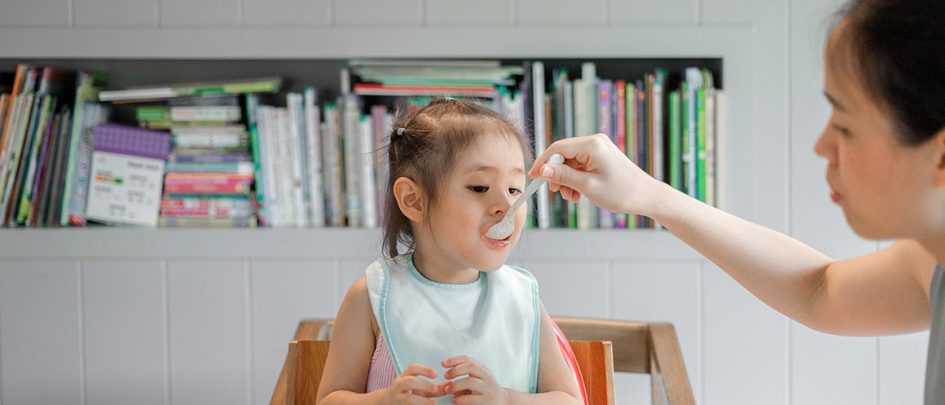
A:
202, 329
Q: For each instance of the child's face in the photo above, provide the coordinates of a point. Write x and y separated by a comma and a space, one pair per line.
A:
487, 178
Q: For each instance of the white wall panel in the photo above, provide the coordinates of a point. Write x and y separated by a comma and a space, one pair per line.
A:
200, 13
281, 13
283, 293
35, 13
651, 12
41, 337
561, 12
378, 13
462, 12
209, 332
125, 344
126, 13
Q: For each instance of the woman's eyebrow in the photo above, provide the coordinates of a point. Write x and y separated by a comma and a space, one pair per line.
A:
833, 101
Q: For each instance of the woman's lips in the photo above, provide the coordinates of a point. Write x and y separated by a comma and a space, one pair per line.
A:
835, 196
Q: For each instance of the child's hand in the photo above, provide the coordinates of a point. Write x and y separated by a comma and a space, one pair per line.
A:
479, 387
408, 389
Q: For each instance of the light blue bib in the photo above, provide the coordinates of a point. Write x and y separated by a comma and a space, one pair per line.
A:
494, 320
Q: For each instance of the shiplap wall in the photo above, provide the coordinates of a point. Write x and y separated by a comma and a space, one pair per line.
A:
178, 318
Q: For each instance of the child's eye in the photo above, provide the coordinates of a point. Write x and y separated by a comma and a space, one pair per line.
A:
478, 189
514, 191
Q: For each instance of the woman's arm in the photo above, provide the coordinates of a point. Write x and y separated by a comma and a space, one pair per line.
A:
885, 292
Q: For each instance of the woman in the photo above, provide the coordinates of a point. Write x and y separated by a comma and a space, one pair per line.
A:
885, 152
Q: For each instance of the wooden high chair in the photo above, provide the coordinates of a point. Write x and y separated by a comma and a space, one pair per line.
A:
637, 347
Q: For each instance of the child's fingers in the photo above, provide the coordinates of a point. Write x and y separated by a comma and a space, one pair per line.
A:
456, 360
468, 386
416, 386
415, 369
415, 400
469, 400
471, 369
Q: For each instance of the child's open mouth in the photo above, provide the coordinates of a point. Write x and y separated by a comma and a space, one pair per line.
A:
498, 243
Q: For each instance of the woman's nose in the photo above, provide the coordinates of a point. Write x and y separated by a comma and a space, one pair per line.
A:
825, 148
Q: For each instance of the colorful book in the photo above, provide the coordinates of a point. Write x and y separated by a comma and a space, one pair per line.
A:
161, 92
126, 173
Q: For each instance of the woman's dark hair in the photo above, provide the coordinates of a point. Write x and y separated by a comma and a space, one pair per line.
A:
424, 146
897, 47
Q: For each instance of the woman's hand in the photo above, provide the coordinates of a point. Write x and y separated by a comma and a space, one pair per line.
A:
478, 387
409, 389
595, 168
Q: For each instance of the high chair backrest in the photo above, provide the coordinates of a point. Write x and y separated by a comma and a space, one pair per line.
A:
640, 347
636, 347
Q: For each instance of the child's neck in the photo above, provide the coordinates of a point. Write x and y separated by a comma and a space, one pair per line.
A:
443, 270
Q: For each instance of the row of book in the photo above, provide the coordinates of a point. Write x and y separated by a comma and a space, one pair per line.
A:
670, 133
47, 116
239, 153
666, 122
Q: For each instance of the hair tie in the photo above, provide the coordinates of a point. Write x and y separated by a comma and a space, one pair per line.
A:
400, 131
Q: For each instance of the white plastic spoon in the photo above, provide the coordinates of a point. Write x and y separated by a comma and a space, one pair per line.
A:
504, 228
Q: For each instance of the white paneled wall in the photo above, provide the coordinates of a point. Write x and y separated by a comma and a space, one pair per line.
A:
184, 318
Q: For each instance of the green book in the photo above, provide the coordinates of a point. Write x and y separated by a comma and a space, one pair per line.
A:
153, 113
700, 145
25, 207
85, 91
252, 102
675, 142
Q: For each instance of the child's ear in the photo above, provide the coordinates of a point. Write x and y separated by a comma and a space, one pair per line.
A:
409, 198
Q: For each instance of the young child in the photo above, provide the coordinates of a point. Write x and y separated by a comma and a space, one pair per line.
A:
448, 309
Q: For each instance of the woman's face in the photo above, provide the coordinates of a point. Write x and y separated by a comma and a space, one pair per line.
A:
886, 188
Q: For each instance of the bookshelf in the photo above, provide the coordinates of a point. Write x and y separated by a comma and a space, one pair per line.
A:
181, 262
714, 48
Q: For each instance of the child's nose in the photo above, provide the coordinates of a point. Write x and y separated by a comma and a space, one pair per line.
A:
503, 204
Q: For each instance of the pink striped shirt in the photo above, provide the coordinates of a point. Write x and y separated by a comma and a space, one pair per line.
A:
382, 372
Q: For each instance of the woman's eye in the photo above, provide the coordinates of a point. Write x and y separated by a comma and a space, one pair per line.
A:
515, 191
842, 130
479, 189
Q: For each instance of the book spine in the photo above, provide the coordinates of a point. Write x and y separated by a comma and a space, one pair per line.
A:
381, 121
18, 149
366, 167
605, 218
211, 141
539, 121
351, 165
296, 142
205, 113
675, 142
24, 207
700, 145
620, 105
313, 150
84, 91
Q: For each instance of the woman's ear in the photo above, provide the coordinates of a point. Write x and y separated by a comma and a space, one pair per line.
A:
409, 198
939, 141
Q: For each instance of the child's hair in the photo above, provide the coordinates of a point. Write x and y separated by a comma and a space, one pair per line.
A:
424, 146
